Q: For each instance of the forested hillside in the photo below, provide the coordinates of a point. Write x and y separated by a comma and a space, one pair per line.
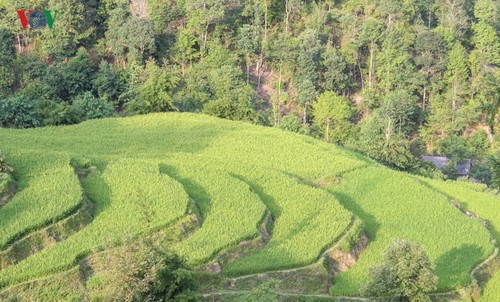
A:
392, 79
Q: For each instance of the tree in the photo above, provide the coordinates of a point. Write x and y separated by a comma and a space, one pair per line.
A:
395, 68
248, 43
130, 38
18, 112
430, 59
384, 134
7, 56
155, 94
71, 26
406, 274
335, 71
398, 110
494, 164
107, 83
86, 107
486, 11
370, 34
78, 73
332, 114
202, 14
307, 62
457, 74
453, 19
185, 50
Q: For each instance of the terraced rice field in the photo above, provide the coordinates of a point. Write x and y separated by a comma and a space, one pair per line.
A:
148, 168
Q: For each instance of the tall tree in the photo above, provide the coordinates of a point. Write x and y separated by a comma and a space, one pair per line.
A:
7, 57
306, 77
430, 49
453, 19
395, 67
155, 94
332, 113
202, 14
457, 75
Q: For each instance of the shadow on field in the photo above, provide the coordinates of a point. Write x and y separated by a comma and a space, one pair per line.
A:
97, 190
450, 265
195, 191
267, 199
371, 224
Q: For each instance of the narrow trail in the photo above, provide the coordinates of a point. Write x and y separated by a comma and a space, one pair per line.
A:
324, 297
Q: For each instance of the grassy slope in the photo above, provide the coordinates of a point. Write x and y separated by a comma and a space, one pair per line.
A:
130, 197
48, 190
393, 205
269, 162
485, 205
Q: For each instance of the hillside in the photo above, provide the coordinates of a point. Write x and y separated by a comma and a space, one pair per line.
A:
287, 196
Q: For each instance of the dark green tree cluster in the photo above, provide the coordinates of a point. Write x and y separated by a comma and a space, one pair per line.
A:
405, 275
392, 79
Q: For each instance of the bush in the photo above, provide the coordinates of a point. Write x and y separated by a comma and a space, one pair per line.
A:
87, 107
140, 271
405, 275
291, 123
18, 112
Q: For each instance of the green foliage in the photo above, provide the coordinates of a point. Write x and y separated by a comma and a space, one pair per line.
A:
86, 107
455, 148
155, 94
7, 56
262, 293
406, 274
332, 113
71, 26
291, 123
494, 164
107, 83
78, 73
335, 72
18, 112
140, 271
383, 134
4, 167
131, 38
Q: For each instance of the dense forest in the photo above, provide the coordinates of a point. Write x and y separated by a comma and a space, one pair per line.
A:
392, 79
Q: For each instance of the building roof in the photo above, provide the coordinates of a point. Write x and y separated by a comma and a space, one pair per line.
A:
463, 168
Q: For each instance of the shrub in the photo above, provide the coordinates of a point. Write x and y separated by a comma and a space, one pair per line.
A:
140, 271
291, 123
405, 275
87, 107
18, 112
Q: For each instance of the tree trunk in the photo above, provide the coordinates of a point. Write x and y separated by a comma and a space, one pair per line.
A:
388, 132
265, 20
287, 17
327, 130
370, 69
248, 68
304, 115
424, 99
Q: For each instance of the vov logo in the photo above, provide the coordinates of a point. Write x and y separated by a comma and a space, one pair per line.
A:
37, 19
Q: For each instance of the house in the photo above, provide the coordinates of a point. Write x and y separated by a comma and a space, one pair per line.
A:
463, 168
